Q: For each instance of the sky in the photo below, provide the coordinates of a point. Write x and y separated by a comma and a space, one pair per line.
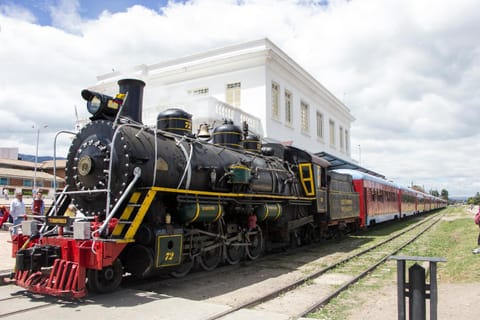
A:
409, 70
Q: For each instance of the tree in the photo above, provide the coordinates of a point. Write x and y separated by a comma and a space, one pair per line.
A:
418, 188
435, 193
474, 200
444, 194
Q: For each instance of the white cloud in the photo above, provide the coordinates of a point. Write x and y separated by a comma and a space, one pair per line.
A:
408, 70
17, 12
65, 15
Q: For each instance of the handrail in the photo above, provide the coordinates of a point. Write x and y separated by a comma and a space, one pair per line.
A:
86, 191
53, 209
137, 172
55, 163
58, 199
110, 162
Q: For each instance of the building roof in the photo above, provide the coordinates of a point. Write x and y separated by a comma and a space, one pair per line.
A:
60, 163
29, 174
234, 57
31, 165
17, 163
338, 163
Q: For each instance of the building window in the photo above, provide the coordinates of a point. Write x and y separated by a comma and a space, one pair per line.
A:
27, 183
4, 181
233, 94
347, 142
304, 121
275, 101
288, 107
341, 138
198, 92
319, 125
332, 133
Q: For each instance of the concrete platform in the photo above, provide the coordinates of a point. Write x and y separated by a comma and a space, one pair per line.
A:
122, 304
7, 263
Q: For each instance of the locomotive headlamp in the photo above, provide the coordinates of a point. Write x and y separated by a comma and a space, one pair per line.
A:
101, 106
94, 104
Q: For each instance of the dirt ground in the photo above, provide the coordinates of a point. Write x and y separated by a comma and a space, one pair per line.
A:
455, 301
459, 301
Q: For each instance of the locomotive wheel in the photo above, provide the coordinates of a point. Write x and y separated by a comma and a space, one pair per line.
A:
308, 234
235, 253
254, 240
106, 280
186, 266
210, 259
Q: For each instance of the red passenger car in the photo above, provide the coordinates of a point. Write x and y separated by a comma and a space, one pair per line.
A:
408, 201
379, 198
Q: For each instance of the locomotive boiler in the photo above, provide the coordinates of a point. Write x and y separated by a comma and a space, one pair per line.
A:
161, 199
169, 157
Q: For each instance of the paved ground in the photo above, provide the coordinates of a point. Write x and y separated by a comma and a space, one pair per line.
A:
6, 261
456, 301
459, 301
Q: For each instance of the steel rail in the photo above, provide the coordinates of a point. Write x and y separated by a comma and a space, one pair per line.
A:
364, 273
297, 283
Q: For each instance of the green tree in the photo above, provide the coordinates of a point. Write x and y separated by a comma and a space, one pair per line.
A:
434, 193
475, 199
444, 194
418, 188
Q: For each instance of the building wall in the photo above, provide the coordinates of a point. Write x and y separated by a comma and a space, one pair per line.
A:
158, 97
279, 128
19, 176
184, 82
9, 153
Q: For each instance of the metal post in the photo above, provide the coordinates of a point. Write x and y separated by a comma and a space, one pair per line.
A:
36, 160
416, 279
359, 154
401, 289
34, 190
416, 289
433, 290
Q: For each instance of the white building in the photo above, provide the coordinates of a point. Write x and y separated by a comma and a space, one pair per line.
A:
253, 81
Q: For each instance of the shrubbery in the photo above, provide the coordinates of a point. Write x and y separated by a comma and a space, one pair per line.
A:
475, 199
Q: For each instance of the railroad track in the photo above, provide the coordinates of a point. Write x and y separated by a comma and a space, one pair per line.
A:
315, 290
294, 299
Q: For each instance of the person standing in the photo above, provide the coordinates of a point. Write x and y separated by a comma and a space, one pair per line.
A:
4, 214
17, 211
38, 206
477, 222
5, 193
71, 211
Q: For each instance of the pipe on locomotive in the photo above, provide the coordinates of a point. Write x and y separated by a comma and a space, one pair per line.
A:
132, 107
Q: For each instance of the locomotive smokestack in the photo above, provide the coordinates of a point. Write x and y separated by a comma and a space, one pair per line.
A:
132, 107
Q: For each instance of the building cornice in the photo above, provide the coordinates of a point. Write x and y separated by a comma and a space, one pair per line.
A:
281, 59
19, 173
227, 59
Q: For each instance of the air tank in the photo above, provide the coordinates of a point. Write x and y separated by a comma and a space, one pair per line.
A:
252, 143
175, 120
228, 135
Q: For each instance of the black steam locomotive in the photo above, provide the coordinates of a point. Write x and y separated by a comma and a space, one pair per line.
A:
165, 199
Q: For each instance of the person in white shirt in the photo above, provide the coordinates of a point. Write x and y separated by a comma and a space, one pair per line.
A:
17, 211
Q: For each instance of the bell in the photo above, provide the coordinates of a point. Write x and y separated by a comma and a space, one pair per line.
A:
203, 132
